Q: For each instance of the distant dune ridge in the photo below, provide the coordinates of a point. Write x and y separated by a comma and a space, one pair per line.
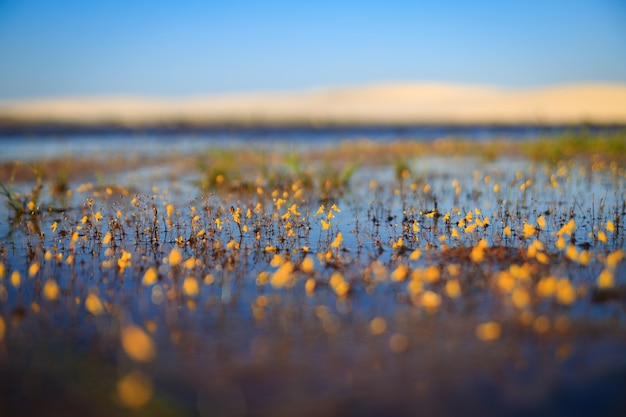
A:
382, 104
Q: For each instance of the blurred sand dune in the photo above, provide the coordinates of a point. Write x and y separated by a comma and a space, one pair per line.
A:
393, 103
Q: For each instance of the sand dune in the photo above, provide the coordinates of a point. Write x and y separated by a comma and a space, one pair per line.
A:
407, 103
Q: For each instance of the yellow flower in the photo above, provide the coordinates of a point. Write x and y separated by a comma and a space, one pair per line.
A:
236, 214
565, 292
276, 261
283, 275
378, 326
94, 305
572, 253
124, 260
415, 255
567, 228
191, 287
308, 265
334, 207
97, 216
605, 279
400, 273
602, 236
610, 227
546, 287
430, 301
107, 238
51, 290
137, 344
541, 222
189, 263
489, 331
520, 298
309, 286
338, 284
3, 328
453, 288
529, 230
614, 258
16, 279
507, 231
134, 390
337, 242
33, 269
150, 277
319, 211
174, 258
325, 225
54, 226
294, 210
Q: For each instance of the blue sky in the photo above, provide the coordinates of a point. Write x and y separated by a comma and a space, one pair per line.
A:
157, 48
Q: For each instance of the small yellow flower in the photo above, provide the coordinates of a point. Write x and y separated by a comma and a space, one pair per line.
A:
415, 255
610, 227
190, 263
174, 258
134, 390
325, 225
94, 305
614, 258
191, 287
309, 286
16, 279
489, 331
430, 301
605, 279
51, 290
33, 269
283, 275
378, 326
337, 242
308, 265
54, 226
137, 344
453, 288
400, 273
150, 277
529, 230
541, 222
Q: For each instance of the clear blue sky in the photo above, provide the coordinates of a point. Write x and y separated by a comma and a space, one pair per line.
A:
176, 48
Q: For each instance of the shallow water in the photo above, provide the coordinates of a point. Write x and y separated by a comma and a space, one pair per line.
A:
230, 336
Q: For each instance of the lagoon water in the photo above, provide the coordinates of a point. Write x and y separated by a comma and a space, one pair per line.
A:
426, 287
30, 145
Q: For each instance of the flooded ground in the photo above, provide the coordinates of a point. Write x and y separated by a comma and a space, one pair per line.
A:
362, 277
